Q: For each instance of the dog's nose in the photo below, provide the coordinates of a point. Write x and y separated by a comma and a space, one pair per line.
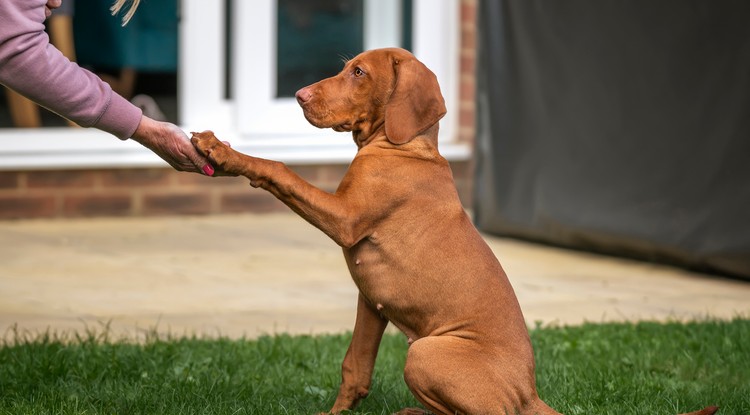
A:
303, 95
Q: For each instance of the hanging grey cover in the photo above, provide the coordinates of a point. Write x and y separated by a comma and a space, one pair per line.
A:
621, 127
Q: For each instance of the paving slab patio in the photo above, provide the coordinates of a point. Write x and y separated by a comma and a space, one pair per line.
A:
246, 275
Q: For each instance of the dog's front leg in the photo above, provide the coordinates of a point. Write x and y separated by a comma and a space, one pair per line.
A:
331, 213
356, 370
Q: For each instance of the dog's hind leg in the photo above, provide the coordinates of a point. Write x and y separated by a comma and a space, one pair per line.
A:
450, 375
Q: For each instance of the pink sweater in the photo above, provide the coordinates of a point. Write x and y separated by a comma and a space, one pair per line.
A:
30, 65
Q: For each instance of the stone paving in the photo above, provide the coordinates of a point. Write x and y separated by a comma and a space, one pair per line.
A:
246, 275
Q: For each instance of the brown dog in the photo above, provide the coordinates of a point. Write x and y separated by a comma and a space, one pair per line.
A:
411, 249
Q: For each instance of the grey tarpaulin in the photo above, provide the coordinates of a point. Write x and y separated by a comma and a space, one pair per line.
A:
617, 126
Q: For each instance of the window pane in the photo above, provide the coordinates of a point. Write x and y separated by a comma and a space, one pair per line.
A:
139, 60
314, 36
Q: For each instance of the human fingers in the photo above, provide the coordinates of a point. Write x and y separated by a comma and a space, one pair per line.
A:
201, 163
51, 5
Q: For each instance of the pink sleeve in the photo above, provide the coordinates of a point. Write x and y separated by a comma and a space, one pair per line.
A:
30, 65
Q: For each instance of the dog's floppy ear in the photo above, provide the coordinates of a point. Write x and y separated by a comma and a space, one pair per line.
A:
415, 103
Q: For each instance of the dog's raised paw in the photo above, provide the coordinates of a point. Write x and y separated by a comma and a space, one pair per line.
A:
205, 142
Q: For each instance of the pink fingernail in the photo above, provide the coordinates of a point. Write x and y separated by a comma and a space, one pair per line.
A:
208, 169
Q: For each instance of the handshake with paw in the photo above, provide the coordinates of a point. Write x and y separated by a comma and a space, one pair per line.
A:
216, 151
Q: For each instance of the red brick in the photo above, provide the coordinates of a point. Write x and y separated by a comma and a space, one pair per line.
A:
335, 172
466, 118
9, 180
329, 176
177, 204
61, 179
194, 179
467, 89
256, 201
326, 177
22, 206
310, 173
97, 205
468, 25
468, 64
468, 11
468, 40
135, 177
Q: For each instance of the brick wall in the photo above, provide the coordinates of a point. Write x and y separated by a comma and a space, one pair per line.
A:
468, 57
152, 192
157, 191
467, 96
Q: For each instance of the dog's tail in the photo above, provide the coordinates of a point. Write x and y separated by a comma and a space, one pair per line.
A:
710, 410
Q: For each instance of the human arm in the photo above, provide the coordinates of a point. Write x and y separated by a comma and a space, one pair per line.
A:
31, 66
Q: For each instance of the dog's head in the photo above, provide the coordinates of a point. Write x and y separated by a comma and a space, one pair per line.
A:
381, 88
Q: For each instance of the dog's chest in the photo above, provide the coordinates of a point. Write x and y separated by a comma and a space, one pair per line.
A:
388, 278
374, 269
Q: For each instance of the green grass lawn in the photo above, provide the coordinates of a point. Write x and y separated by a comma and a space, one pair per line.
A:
643, 368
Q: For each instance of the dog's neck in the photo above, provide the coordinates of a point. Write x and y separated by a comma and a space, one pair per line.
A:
424, 145
361, 139
364, 137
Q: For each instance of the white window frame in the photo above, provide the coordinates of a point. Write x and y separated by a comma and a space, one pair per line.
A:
254, 122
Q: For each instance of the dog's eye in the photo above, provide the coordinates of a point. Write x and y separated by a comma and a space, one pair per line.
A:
358, 72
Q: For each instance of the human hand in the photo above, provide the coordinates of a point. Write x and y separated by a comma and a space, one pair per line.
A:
170, 143
51, 5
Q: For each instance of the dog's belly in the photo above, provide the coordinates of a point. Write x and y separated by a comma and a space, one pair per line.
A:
444, 280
